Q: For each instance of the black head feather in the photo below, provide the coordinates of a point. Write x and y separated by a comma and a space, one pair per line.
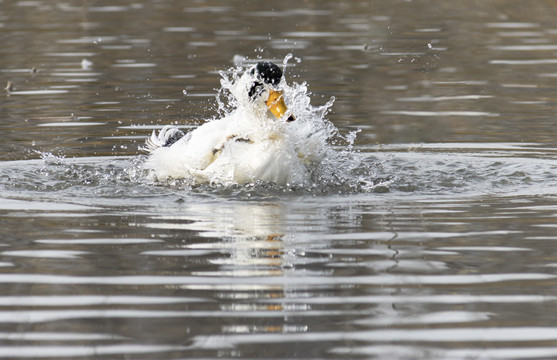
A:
268, 73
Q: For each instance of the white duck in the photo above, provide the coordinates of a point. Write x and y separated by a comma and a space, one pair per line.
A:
250, 144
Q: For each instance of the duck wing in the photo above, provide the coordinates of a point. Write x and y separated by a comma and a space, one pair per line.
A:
165, 138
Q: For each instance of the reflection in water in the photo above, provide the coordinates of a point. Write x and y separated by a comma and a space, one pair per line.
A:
253, 237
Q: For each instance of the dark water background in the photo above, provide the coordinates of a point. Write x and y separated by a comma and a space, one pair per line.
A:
451, 258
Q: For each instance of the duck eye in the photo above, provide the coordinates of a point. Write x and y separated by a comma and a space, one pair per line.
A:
256, 89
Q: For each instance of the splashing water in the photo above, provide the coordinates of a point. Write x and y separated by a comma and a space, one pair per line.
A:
316, 156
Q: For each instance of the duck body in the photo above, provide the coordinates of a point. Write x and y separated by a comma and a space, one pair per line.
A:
255, 142
227, 151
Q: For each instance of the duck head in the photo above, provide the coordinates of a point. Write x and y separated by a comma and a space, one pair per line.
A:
263, 87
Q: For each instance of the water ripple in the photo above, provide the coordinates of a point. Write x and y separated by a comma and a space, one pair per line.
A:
227, 281
440, 113
54, 351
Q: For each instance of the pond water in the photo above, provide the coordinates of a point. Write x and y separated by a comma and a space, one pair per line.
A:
440, 248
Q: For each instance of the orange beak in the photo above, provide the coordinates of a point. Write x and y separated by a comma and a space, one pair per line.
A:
276, 105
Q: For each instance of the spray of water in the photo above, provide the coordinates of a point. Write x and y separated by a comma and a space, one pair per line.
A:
320, 158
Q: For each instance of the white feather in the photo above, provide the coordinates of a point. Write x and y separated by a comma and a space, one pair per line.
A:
168, 135
245, 146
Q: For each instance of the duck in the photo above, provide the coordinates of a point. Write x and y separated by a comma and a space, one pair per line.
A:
252, 143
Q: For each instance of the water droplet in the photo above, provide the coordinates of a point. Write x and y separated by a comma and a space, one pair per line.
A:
86, 64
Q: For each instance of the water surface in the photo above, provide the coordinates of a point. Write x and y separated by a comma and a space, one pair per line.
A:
439, 248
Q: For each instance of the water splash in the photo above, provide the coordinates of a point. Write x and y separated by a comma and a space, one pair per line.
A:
325, 159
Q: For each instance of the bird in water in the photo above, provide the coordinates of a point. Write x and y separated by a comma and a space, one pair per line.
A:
255, 142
